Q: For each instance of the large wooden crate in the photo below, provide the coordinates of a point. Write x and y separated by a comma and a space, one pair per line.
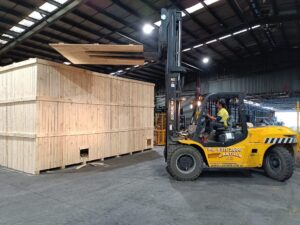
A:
50, 113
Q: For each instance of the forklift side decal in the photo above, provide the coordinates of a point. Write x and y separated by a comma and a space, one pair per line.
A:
226, 152
291, 140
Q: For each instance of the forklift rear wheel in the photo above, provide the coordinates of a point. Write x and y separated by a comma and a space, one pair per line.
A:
185, 163
279, 163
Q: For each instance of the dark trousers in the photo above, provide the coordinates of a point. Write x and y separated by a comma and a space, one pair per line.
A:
213, 125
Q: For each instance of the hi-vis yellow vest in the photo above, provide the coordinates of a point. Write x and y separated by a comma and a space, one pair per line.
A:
224, 116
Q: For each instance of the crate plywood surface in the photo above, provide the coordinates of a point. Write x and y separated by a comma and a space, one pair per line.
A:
101, 54
51, 111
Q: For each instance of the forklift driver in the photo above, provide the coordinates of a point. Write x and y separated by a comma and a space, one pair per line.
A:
222, 117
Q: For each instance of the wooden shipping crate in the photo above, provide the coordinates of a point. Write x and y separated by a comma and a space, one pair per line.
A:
53, 114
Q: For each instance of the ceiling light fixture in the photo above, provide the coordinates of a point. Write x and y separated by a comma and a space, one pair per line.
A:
26, 23
205, 60
17, 29
212, 41
148, 28
48, 7
36, 15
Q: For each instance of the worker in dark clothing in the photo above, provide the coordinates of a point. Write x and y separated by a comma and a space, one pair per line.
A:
222, 117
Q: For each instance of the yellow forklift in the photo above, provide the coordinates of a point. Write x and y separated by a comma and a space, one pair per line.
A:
272, 148
186, 153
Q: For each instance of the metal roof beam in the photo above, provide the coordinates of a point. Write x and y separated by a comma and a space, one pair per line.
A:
153, 70
14, 12
42, 24
238, 12
282, 30
31, 54
236, 9
138, 77
112, 16
224, 25
275, 7
212, 12
284, 36
203, 26
256, 11
12, 23
30, 6
261, 21
126, 8
143, 75
147, 74
92, 31
193, 18
108, 27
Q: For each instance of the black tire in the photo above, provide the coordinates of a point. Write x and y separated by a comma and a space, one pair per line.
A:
279, 163
184, 163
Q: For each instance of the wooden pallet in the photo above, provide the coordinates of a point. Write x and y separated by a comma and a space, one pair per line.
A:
159, 137
94, 162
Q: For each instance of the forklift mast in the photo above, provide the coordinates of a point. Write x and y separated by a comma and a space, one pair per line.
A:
170, 50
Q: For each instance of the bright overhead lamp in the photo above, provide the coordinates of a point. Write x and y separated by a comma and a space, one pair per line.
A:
256, 26
211, 41
240, 31
194, 8
48, 7
187, 49
148, 28
225, 36
158, 23
205, 60
61, 1
209, 2
3, 42
26, 23
67, 63
7, 36
198, 46
17, 29
36, 15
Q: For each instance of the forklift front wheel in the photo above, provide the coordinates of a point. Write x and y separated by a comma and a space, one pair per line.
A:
279, 163
185, 163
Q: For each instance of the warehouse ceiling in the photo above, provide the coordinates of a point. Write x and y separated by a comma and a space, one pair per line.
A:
230, 32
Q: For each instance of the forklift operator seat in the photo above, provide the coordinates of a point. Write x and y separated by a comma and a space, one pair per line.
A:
229, 126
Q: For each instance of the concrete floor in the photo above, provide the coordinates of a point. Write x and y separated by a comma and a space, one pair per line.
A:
137, 190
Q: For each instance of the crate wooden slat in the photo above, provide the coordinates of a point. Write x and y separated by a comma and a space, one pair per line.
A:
50, 111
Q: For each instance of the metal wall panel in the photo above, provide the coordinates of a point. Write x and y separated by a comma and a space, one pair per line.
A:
274, 82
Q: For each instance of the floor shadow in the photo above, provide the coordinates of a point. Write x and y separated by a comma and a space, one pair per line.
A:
113, 163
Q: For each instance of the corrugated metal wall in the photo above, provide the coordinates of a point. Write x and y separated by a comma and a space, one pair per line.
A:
273, 82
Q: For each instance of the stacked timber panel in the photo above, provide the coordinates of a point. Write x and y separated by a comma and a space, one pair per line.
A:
50, 113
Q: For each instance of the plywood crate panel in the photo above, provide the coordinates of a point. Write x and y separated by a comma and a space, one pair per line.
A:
50, 111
